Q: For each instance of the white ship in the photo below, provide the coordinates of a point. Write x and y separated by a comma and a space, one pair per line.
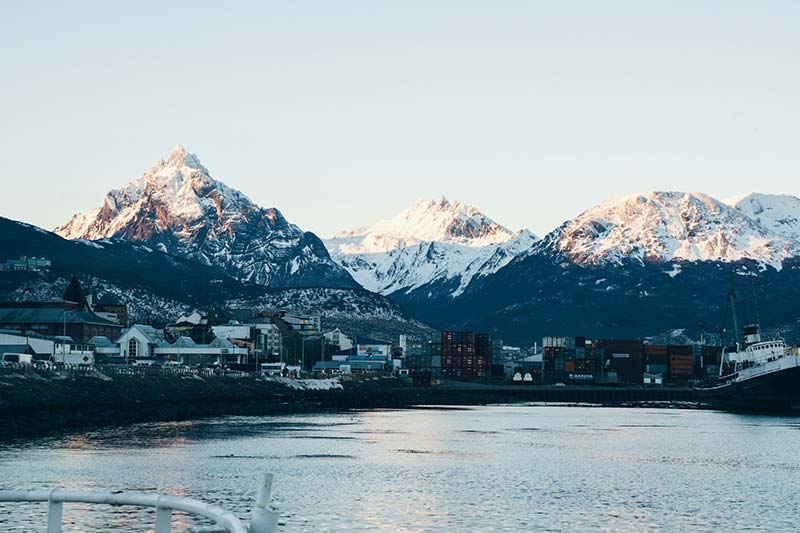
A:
763, 376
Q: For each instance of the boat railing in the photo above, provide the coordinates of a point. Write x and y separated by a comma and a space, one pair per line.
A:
761, 369
263, 519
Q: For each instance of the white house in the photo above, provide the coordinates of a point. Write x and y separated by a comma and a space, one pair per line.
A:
368, 346
138, 343
187, 352
339, 339
265, 337
41, 347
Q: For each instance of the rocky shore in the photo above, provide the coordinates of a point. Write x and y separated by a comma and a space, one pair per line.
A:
34, 404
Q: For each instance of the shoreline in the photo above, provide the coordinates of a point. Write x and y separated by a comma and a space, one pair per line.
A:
34, 406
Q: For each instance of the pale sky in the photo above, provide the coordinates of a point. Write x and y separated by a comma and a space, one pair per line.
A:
342, 113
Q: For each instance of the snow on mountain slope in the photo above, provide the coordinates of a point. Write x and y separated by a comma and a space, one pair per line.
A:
425, 221
431, 241
179, 208
665, 226
776, 212
355, 311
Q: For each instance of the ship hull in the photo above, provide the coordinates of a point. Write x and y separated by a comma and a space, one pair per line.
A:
777, 392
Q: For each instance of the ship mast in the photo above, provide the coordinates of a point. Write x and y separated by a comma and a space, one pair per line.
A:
729, 301
732, 296
755, 306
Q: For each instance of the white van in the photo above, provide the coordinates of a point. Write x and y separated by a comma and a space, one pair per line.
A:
21, 358
272, 369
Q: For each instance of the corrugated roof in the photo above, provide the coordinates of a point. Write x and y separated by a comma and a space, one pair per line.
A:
30, 315
13, 348
220, 342
327, 365
100, 341
153, 335
184, 342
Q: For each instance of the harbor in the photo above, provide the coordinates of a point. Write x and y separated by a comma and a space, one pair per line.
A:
491, 468
48, 403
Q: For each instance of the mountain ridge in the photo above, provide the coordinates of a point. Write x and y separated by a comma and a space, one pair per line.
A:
178, 207
662, 226
160, 287
431, 240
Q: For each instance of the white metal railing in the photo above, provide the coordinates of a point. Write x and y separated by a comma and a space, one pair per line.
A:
262, 519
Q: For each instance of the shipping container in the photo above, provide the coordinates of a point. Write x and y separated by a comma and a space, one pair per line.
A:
674, 349
624, 357
681, 365
656, 369
498, 372
655, 349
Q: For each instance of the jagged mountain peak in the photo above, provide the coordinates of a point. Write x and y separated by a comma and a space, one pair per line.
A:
665, 225
425, 220
179, 159
431, 241
179, 208
777, 212
173, 192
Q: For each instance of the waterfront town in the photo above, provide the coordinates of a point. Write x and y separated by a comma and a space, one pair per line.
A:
84, 331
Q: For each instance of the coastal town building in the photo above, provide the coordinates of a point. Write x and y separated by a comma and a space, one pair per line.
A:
139, 342
263, 340
37, 345
110, 308
338, 339
145, 345
55, 318
25, 264
69, 352
373, 347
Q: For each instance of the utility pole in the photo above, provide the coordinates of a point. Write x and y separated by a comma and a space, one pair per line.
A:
258, 334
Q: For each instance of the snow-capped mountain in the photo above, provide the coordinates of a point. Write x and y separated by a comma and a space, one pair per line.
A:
425, 221
635, 266
432, 242
674, 226
178, 208
778, 213
161, 287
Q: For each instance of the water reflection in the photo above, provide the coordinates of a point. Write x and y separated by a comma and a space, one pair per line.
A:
497, 468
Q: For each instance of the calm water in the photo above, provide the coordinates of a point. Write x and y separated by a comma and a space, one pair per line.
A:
499, 468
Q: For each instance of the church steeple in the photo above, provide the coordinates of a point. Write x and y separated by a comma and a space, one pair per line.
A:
74, 293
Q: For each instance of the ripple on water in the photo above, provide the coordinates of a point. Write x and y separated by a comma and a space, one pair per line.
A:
494, 468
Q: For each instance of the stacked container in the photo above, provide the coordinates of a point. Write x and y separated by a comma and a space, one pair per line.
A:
681, 362
656, 359
568, 359
465, 355
625, 357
